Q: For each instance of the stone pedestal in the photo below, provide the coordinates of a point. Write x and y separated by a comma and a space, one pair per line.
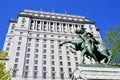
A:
96, 72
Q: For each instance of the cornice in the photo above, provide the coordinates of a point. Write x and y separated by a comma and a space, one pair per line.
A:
13, 21
55, 16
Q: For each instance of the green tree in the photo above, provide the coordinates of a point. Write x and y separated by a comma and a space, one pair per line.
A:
112, 40
4, 75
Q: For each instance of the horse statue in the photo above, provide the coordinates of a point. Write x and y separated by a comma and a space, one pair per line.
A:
88, 46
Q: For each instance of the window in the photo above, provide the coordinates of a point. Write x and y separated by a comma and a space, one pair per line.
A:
53, 62
23, 20
82, 26
67, 52
53, 68
44, 56
52, 57
36, 55
52, 51
59, 36
37, 35
68, 57
21, 33
8, 44
17, 53
37, 45
61, 63
11, 32
59, 47
52, 35
44, 68
37, 40
44, 62
76, 58
69, 64
76, 63
59, 51
51, 28
75, 53
20, 38
19, 43
35, 75
62, 76
45, 36
14, 73
91, 28
44, 75
44, 50
7, 49
60, 57
15, 66
16, 59
18, 48
61, 69
28, 50
7, 54
52, 41
22, 25
76, 26
36, 61
30, 34
67, 47
36, 50
65, 36
35, 67
13, 25
29, 44
25, 74
27, 55
70, 25
70, 29
51, 23
52, 46
53, 75
72, 37
10, 39
26, 67
44, 45
69, 69
58, 29
27, 61
45, 22
29, 39
70, 75
44, 40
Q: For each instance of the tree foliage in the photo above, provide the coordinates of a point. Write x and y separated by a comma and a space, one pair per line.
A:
112, 40
4, 75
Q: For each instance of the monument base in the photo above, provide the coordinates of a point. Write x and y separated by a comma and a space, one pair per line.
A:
96, 72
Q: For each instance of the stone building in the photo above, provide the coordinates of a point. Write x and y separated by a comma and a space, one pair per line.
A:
32, 45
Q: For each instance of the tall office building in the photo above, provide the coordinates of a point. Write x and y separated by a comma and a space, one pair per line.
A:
32, 45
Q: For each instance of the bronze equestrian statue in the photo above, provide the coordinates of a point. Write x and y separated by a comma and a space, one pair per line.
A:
89, 47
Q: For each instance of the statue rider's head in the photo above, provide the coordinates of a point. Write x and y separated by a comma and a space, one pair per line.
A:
81, 31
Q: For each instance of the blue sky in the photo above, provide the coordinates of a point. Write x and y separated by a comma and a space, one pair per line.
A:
106, 13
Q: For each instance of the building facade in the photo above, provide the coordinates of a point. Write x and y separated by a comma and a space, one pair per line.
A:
32, 45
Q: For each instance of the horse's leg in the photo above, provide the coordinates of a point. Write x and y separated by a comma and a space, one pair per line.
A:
83, 56
91, 52
94, 57
107, 56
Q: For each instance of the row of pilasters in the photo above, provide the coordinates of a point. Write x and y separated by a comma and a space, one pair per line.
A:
54, 26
